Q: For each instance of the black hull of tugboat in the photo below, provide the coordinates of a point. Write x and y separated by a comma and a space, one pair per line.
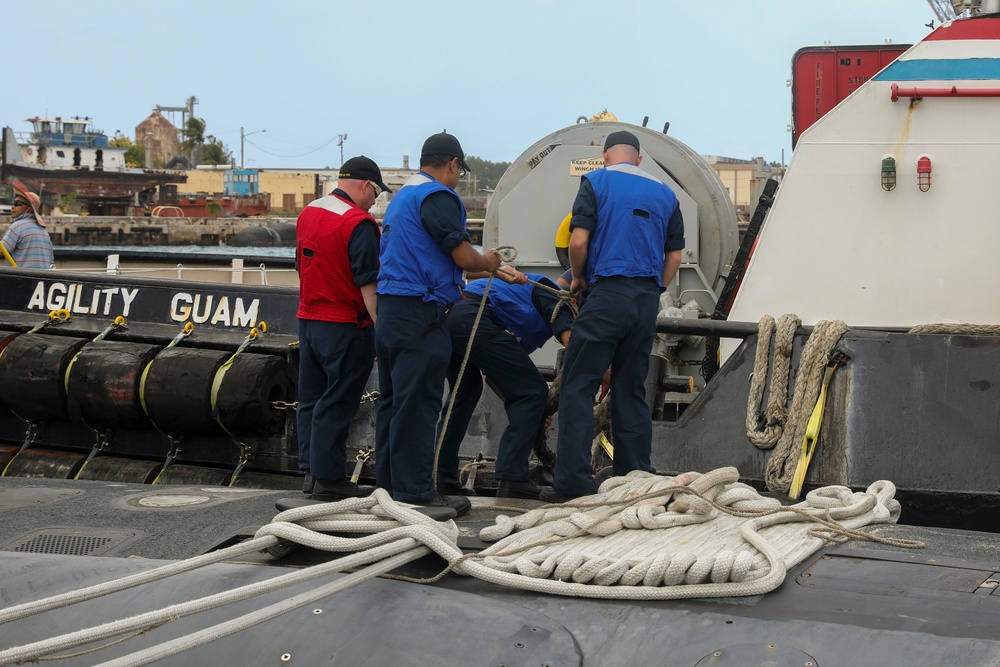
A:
135, 396
915, 409
919, 410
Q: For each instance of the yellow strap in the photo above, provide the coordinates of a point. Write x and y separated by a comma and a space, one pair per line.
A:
186, 331
810, 439
119, 323
29, 438
171, 455
69, 369
608, 448
217, 384
90, 457
10, 260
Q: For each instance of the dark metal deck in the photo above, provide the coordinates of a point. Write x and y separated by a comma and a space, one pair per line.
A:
850, 604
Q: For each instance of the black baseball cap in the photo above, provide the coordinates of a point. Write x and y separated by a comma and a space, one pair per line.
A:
445, 144
363, 168
621, 137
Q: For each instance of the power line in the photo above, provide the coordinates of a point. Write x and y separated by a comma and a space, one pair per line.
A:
310, 152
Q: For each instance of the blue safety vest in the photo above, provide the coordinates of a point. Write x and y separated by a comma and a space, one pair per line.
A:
512, 307
412, 262
633, 211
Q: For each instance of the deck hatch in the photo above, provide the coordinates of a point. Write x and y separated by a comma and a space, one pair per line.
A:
70, 541
886, 577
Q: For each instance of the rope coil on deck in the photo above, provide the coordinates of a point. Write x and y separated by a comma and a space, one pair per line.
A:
634, 539
649, 537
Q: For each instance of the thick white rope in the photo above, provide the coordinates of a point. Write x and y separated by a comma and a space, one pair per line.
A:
635, 539
638, 539
390, 527
210, 634
959, 329
91, 592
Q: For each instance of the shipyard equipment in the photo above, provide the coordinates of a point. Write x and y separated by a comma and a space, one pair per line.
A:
536, 193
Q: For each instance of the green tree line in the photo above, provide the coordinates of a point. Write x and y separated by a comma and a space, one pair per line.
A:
484, 176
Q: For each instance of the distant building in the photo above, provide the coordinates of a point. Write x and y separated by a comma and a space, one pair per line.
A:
158, 137
744, 179
291, 190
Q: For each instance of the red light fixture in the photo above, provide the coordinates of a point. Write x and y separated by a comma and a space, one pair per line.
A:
924, 173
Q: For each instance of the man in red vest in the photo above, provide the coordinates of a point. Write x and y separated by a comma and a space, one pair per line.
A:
337, 258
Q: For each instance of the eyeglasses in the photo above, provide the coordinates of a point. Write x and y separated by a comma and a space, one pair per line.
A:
18, 202
378, 191
461, 169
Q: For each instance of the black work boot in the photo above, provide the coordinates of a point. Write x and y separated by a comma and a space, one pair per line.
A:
448, 485
460, 504
326, 490
518, 489
550, 495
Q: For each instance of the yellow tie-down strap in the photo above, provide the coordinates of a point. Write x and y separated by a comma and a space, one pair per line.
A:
608, 448
217, 384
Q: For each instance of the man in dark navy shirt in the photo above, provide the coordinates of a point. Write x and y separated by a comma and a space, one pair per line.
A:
424, 249
337, 259
626, 238
518, 320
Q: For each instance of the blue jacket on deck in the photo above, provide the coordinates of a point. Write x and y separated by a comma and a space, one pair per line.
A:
412, 262
512, 307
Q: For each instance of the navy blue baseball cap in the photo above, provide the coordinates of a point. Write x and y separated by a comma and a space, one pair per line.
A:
445, 144
363, 169
621, 137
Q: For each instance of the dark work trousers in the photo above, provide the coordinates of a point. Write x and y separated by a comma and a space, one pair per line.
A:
335, 360
413, 349
615, 327
497, 355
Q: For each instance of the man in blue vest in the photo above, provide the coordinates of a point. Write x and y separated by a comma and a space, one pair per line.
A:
337, 258
517, 320
625, 246
424, 249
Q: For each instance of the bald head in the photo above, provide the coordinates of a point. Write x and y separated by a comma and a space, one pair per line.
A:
621, 153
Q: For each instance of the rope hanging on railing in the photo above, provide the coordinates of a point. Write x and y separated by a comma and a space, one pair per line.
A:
957, 329
776, 427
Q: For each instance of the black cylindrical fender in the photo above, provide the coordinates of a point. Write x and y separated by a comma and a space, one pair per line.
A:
247, 392
32, 375
177, 390
102, 383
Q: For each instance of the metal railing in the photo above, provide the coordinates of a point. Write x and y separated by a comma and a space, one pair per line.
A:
236, 269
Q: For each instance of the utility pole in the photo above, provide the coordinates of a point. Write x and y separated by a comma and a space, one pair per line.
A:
341, 138
242, 137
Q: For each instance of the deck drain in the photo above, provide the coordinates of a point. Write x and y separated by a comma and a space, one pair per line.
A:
173, 500
70, 541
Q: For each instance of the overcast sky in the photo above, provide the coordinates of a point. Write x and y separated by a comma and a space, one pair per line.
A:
499, 74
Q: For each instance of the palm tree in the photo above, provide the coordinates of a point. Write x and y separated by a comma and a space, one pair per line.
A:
194, 138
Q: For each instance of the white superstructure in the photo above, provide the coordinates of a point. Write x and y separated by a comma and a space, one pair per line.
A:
888, 213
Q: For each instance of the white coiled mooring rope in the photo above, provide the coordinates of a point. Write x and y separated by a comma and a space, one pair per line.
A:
646, 537
641, 537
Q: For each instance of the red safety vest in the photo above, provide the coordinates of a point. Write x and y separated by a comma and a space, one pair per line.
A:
326, 283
